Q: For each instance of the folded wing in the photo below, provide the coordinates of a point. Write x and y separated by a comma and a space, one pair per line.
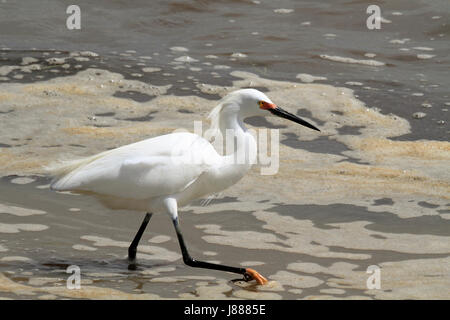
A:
154, 167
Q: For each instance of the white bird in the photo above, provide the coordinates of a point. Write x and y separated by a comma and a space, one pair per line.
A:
163, 173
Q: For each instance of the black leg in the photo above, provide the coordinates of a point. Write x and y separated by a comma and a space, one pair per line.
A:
188, 260
133, 246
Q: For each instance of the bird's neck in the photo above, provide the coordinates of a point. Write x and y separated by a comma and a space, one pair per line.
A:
240, 146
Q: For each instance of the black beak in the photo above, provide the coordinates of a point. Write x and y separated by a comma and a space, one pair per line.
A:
287, 115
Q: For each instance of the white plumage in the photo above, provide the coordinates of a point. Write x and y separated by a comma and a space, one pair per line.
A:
182, 166
159, 174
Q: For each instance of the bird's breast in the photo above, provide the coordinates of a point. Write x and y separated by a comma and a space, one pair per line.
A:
213, 181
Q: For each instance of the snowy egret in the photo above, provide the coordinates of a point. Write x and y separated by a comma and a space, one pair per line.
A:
153, 175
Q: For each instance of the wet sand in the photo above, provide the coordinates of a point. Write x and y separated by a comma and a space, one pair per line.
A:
312, 229
373, 188
307, 251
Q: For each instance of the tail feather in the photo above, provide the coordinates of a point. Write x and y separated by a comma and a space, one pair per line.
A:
62, 171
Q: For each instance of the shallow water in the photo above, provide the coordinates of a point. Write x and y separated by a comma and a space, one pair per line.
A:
373, 188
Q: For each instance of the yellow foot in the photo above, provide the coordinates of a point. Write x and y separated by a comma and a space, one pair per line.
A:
251, 274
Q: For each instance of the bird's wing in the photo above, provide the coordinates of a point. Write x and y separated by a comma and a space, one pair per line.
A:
163, 165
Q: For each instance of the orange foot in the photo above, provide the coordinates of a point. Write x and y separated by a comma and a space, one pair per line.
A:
251, 274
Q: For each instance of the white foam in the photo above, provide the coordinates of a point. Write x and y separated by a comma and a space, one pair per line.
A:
22, 180
399, 41
150, 69
88, 54
32, 67
352, 61
304, 77
425, 56
239, 55
16, 259
185, 59
19, 211
81, 59
15, 228
82, 247
283, 10
295, 280
159, 239
423, 48
149, 252
28, 60
252, 263
39, 281
56, 61
4, 70
354, 83
384, 173
179, 49
221, 67
419, 115
210, 253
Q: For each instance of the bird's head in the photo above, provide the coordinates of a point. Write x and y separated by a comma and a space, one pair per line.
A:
253, 102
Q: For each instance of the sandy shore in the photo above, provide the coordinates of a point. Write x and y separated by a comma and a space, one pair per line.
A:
341, 201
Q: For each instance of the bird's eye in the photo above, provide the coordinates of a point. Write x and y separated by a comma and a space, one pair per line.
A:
261, 104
